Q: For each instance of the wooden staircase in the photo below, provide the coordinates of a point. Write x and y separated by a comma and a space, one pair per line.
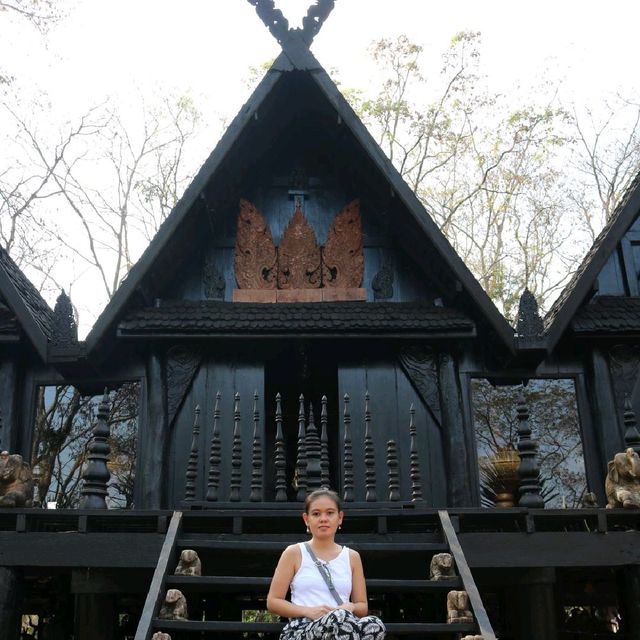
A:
240, 548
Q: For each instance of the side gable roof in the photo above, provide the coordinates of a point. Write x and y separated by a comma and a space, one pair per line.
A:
566, 306
297, 57
33, 314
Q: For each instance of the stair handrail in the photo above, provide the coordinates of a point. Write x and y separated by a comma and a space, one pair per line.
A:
154, 595
486, 630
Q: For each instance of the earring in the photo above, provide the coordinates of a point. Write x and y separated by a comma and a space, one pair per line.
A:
340, 526
308, 530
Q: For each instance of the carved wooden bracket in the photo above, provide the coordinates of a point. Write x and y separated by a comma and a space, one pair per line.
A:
299, 263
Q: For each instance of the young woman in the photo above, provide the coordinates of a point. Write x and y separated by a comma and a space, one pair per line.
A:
314, 612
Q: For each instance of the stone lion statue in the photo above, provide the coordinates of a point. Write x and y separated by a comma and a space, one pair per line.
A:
174, 606
159, 635
16, 481
622, 485
442, 567
189, 564
458, 607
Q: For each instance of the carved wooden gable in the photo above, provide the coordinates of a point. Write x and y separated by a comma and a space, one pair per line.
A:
299, 269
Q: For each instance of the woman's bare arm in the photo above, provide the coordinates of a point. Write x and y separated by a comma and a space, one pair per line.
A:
358, 605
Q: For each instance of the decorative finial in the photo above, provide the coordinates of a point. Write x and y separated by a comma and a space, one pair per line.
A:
528, 471
65, 329
530, 323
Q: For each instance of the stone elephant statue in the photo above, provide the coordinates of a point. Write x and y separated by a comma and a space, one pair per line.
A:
16, 481
622, 485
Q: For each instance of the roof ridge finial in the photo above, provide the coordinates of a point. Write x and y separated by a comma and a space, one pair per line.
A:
278, 25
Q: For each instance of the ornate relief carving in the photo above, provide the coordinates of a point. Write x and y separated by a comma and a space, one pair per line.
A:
298, 255
343, 259
212, 280
65, 329
255, 253
382, 283
182, 364
625, 371
420, 365
530, 323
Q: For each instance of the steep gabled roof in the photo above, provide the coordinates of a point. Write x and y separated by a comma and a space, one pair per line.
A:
31, 311
565, 307
296, 57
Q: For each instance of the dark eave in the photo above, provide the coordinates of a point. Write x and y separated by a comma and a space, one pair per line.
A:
608, 316
566, 306
32, 314
187, 318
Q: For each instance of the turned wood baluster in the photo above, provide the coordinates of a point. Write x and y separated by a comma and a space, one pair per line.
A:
236, 452
214, 454
392, 465
348, 454
324, 446
414, 460
256, 462
313, 449
369, 454
192, 465
301, 459
528, 471
280, 457
631, 435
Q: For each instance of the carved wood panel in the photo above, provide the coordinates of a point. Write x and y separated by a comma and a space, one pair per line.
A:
255, 253
420, 365
342, 256
624, 362
182, 365
299, 255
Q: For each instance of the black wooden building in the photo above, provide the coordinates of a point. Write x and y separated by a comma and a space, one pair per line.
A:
299, 320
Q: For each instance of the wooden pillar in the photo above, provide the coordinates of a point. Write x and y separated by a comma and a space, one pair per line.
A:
459, 492
631, 601
537, 610
10, 601
8, 403
95, 616
151, 456
603, 406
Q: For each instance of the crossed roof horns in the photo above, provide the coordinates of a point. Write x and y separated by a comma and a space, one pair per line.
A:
278, 25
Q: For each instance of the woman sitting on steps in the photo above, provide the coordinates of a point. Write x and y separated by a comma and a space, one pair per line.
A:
328, 591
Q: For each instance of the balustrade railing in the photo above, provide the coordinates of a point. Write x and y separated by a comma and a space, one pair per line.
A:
313, 465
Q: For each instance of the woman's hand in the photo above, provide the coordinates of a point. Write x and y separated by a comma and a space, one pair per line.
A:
313, 613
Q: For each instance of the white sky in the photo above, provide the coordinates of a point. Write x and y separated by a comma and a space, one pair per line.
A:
122, 49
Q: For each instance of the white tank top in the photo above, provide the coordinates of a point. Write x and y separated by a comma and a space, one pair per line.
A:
308, 588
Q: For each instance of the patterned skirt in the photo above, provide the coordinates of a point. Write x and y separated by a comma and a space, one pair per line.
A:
338, 624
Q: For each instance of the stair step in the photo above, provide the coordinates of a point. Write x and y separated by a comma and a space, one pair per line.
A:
242, 544
393, 628
240, 583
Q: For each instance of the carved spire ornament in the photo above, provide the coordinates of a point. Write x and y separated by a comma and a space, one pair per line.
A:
313, 449
192, 464
236, 452
298, 255
301, 458
392, 466
324, 446
256, 460
95, 476
414, 459
369, 454
528, 471
348, 453
65, 329
342, 256
280, 457
255, 253
530, 323
215, 454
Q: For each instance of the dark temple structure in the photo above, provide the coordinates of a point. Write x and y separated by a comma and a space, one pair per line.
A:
300, 321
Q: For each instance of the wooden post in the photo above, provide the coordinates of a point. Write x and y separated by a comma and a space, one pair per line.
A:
369, 454
8, 403
96, 474
414, 459
10, 601
256, 459
348, 454
537, 611
281, 458
214, 456
631, 435
236, 452
392, 466
95, 616
529, 485
301, 457
631, 601
324, 446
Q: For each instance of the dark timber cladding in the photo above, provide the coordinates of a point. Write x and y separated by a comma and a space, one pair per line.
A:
343, 355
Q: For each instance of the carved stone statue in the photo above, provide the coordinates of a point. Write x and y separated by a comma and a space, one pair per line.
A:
590, 500
16, 481
442, 567
159, 635
622, 485
458, 607
174, 606
189, 564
